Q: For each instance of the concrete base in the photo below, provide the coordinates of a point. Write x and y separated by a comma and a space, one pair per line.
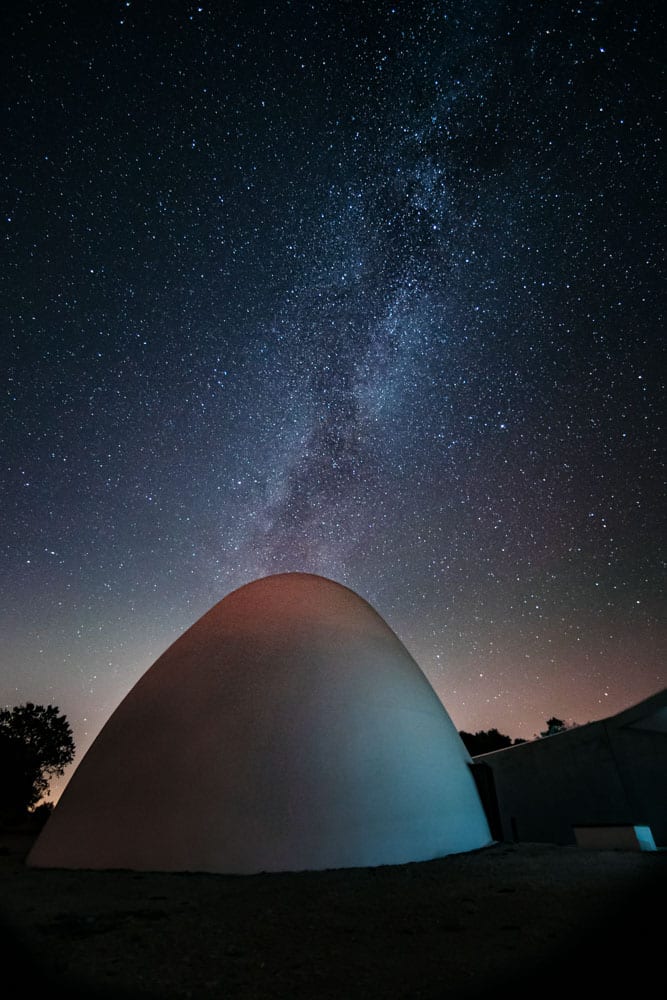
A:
615, 838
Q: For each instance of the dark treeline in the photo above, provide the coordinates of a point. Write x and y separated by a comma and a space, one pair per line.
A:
487, 740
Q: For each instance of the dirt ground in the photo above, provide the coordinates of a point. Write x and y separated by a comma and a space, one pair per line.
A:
509, 920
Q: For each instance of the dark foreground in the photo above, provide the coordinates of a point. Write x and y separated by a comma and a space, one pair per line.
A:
510, 920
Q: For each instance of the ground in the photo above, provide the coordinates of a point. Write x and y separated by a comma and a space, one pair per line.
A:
509, 920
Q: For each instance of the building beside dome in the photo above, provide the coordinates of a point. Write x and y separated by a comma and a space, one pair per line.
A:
287, 729
601, 784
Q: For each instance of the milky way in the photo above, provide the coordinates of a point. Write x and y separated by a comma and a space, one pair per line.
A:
368, 290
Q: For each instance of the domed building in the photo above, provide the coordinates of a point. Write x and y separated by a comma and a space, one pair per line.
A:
287, 729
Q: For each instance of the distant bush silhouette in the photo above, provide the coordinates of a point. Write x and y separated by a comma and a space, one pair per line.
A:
41, 813
36, 744
484, 741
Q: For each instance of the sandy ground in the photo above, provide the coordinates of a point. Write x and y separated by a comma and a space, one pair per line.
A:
510, 920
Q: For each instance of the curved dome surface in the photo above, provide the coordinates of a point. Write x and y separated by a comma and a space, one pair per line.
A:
287, 729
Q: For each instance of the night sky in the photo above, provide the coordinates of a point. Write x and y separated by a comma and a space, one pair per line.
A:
368, 290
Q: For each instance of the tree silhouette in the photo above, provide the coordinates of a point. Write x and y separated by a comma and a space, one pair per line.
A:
554, 725
36, 744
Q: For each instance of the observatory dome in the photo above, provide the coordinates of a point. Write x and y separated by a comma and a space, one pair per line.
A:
287, 729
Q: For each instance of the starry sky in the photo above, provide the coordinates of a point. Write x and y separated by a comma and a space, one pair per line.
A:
369, 290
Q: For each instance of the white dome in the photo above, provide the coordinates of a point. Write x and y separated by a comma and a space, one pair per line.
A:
287, 729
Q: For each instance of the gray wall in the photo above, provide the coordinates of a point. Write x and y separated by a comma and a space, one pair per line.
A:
608, 772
